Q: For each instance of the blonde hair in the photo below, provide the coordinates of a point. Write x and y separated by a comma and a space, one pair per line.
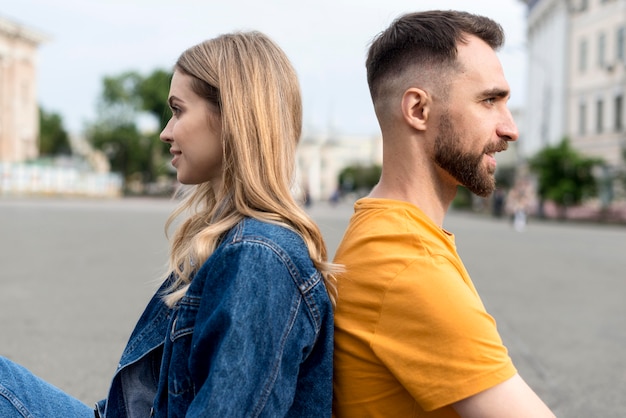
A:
251, 82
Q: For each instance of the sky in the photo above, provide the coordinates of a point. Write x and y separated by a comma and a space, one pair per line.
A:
326, 40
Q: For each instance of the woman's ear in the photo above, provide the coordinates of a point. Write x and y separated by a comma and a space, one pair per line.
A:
416, 104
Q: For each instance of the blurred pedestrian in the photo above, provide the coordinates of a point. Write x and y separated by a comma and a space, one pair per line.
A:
334, 197
499, 197
519, 203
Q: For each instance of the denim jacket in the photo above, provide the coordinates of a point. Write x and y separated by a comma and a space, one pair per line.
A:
252, 337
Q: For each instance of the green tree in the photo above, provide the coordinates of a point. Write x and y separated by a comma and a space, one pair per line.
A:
125, 99
359, 178
53, 138
123, 145
564, 175
153, 91
505, 176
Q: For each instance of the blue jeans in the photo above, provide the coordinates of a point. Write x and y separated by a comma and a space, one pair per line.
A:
24, 395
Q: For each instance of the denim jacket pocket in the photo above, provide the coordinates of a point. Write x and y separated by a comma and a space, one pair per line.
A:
181, 387
184, 317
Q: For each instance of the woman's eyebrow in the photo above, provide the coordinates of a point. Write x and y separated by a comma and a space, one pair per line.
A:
171, 99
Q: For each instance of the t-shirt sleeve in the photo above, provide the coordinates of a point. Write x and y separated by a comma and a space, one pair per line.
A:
435, 336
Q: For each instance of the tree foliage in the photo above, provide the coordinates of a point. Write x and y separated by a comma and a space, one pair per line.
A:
564, 175
359, 178
125, 99
123, 145
53, 138
153, 91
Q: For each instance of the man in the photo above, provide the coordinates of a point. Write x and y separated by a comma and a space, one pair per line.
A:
412, 337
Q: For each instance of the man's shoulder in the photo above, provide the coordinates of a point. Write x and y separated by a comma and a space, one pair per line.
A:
388, 228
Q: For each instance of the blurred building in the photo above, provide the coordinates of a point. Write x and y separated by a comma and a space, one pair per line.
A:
545, 116
598, 78
19, 111
21, 173
322, 157
577, 77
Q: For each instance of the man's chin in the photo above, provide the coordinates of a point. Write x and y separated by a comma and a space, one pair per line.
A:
481, 190
485, 193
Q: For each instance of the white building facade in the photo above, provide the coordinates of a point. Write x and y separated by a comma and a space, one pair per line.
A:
546, 115
20, 172
577, 77
598, 79
322, 157
19, 111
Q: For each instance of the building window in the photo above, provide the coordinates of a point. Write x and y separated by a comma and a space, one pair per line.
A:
582, 119
620, 44
601, 50
619, 122
582, 57
599, 115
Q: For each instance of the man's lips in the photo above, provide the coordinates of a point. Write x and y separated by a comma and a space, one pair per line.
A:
502, 146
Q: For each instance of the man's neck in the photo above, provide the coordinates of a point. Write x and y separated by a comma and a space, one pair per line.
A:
428, 199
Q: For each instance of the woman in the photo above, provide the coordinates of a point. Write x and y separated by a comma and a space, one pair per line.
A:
242, 326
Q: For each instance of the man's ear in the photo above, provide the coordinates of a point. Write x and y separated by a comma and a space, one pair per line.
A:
416, 105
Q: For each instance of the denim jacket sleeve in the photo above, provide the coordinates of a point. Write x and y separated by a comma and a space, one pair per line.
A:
261, 343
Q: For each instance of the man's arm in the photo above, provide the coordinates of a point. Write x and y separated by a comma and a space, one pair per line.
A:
512, 398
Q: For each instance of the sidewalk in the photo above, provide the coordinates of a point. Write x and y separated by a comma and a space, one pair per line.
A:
614, 214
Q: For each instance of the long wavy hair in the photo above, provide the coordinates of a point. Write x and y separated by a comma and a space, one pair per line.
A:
251, 82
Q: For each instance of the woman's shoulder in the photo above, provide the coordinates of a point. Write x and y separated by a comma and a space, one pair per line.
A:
252, 229
275, 238
265, 246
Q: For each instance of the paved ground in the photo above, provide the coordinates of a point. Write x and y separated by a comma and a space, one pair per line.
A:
75, 276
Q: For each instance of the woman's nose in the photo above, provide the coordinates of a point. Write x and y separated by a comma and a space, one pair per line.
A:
166, 133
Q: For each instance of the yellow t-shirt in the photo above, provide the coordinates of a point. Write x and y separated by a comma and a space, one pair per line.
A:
411, 333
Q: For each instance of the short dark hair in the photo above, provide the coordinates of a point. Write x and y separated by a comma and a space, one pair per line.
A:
428, 38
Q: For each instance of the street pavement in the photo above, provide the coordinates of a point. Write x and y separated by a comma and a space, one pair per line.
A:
76, 274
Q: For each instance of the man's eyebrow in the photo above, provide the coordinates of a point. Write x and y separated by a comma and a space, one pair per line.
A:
495, 92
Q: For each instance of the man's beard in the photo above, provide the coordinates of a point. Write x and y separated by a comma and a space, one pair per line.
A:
468, 169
